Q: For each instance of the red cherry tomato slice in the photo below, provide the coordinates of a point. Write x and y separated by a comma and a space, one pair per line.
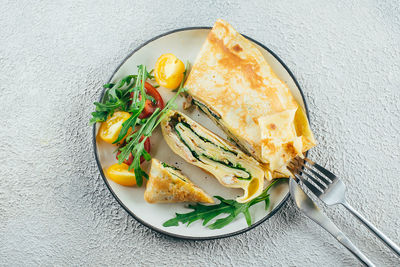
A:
148, 109
147, 147
151, 90
149, 106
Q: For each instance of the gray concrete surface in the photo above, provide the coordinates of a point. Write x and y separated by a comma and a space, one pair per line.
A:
54, 56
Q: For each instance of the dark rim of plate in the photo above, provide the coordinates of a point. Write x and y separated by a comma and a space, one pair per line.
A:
269, 215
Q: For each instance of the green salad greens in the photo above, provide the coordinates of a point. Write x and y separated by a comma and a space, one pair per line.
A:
226, 206
129, 94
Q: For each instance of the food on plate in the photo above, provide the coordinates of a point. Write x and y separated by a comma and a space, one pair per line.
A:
115, 98
234, 85
133, 95
110, 129
153, 101
208, 151
120, 174
147, 147
146, 128
226, 206
168, 185
169, 71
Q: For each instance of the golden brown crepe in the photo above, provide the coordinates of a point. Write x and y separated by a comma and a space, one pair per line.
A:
204, 149
167, 185
232, 82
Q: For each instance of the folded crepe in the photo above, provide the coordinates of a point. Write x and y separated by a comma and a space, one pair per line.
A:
232, 83
204, 149
167, 185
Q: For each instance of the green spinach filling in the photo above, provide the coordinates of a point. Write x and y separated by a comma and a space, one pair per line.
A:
206, 140
183, 179
206, 110
217, 119
224, 162
165, 165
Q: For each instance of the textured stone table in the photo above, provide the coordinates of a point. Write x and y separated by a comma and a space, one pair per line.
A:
54, 55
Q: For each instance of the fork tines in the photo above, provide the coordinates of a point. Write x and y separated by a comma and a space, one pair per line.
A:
313, 175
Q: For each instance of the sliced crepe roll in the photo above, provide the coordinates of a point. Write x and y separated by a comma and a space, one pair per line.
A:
168, 185
232, 83
204, 149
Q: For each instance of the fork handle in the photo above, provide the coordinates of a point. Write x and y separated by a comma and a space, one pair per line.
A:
373, 229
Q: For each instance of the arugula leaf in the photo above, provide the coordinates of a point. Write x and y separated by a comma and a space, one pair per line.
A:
226, 206
136, 107
165, 165
115, 98
118, 97
150, 74
98, 116
108, 85
148, 125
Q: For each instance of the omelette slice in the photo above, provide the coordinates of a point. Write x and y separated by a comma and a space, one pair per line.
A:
167, 185
235, 86
210, 152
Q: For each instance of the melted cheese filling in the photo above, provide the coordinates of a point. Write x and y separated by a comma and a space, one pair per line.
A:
218, 157
200, 147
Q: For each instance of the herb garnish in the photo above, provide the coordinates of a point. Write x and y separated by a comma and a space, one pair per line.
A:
204, 139
129, 95
226, 162
226, 206
133, 145
115, 98
165, 165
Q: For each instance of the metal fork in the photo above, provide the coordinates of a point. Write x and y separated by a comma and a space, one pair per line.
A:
331, 190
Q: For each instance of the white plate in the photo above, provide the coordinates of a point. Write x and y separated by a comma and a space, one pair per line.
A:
185, 44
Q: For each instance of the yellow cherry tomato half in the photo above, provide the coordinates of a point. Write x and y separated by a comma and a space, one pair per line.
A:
169, 71
119, 173
109, 130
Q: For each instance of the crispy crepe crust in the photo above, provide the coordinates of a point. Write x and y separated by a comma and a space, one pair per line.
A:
167, 185
239, 89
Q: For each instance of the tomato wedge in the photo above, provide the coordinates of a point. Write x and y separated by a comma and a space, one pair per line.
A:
147, 147
119, 173
109, 130
150, 106
169, 71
